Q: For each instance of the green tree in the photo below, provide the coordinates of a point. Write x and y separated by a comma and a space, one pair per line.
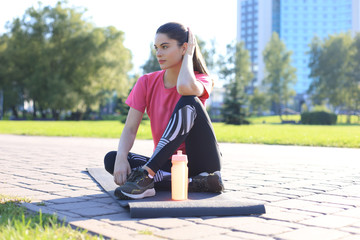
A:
259, 101
208, 53
152, 64
331, 64
236, 71
314, 65
61, 62
13, 65
355, 76
280, 75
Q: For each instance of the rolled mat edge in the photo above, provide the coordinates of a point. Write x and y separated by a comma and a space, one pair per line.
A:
187, 209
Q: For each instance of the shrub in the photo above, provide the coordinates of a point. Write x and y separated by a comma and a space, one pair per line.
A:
318, 118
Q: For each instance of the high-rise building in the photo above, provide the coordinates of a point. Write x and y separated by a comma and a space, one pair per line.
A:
296, 22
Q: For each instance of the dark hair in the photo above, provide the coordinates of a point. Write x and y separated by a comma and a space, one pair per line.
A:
179, 33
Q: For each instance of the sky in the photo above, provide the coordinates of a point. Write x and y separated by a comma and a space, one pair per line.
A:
139, 19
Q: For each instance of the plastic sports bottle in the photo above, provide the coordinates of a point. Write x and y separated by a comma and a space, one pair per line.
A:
179, 176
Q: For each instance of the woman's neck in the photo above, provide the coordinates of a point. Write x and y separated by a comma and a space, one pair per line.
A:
170, 77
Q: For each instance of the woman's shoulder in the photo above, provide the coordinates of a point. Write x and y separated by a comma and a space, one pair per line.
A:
149, 78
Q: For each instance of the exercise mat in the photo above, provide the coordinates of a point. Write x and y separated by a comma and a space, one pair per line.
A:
161, 205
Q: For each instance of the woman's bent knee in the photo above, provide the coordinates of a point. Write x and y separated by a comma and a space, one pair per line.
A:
109, 161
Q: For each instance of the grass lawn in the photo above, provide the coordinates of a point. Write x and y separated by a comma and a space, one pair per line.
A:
271, 133
331, 136
18, 223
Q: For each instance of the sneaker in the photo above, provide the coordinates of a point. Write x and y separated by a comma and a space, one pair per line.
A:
205, 182
120, 195
138, 185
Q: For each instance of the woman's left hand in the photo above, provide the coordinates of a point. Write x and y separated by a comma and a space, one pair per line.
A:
191, 43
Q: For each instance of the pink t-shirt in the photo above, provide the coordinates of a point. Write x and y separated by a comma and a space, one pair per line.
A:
150, 94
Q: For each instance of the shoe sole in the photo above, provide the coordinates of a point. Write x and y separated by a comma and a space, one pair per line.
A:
118, 193
148, 193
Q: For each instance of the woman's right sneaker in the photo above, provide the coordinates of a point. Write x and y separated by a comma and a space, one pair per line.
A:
138, 185
120, 195
205, 182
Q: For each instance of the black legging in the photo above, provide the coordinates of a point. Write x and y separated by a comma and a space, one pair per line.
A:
190, 123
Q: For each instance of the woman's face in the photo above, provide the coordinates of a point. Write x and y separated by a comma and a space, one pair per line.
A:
169, 54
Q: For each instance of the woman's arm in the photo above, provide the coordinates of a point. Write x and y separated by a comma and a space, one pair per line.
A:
122, 166
186, 82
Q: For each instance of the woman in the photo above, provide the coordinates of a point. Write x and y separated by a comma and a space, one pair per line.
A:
174, 100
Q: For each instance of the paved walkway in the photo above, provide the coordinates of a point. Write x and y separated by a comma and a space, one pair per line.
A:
309, 192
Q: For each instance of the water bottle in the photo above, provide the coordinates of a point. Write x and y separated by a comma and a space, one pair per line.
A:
179, 176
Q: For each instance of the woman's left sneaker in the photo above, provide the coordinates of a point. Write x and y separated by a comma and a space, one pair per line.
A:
205, 182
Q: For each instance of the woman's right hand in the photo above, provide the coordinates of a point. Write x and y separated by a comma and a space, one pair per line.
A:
122, 167
121, 171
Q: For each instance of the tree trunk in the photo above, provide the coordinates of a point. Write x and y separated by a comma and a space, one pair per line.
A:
34, 113
100, 110
43, 113
279, 110
77, 115
55, 114
14, 112
348, 118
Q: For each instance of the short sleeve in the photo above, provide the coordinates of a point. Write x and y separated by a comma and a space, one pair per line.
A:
137, 96
206, 81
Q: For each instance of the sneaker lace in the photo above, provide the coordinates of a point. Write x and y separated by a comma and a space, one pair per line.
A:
134, 175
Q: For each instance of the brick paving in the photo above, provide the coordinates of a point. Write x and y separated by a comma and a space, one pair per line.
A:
308, 192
